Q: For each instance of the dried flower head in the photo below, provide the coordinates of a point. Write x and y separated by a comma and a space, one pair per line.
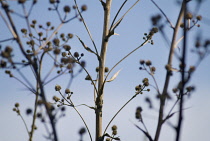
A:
57, 87
189, 16
56, 42
66, 9
199, 17
148, 63
84, 8
67, 47
76, 54
56, 99
114, 127
28, 111
142, 62
17, 105
106, 69
82, 131
67, 91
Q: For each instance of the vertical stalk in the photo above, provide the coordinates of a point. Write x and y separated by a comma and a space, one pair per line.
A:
183, 82
102, 60
168, 74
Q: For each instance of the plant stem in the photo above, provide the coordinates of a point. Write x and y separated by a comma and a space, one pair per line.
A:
183, 81
168, 75
99, 99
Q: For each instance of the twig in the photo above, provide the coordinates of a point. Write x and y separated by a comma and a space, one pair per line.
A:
72, 104
163, 13
120, 110
83, 21
24, 124
125, 58
183, 81
168, 74
8, 25
117, 14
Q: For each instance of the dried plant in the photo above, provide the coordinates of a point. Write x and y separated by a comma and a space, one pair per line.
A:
41, 44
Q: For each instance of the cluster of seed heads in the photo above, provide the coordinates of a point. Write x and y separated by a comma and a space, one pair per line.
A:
6, 55
189, 16
149, 36
147, 63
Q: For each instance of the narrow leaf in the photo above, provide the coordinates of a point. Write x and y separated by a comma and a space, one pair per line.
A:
114, 76
87, 48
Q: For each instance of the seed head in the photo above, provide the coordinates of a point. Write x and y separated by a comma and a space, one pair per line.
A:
84, 8
56, 99
76, 54
48, 23
24, 31
67, 91
82, 131
67, 47
57, 87
106, 69
192, 69
148, 63
142, 62
17, 105
83, 64
28, 111
70, 35
57, 51
56, 42
8, 49
114, 127
66, 9
189, 16
97, 69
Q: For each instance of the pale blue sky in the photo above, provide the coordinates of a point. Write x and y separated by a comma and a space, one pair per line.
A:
131, 30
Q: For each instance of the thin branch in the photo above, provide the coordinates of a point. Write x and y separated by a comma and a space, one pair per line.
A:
34, 116
86, 72
24, 124
5, 40
30, 89
163, 13
146, 41
168, 74
145, 133
72, 104
117, 14
83, 21
112, 28
51, 36
183, 81
8, 25
55, 77
121, 109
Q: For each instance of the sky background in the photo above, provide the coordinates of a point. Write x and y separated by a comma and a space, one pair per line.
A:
196, 119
